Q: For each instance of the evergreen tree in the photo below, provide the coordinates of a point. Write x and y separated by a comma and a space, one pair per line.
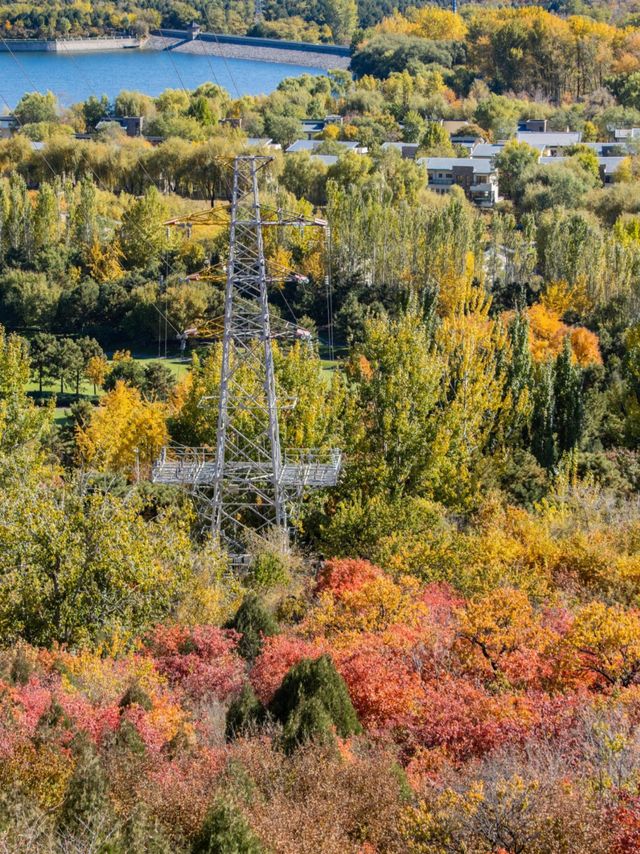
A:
310, 721
42, 348
254, 623
245, 712
519, 374
225, 831
4, 214
542, 423
569, 408
85, 798
311, 700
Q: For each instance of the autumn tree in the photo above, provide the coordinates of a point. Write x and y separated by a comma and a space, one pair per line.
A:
78, 568
606, 640
125, 430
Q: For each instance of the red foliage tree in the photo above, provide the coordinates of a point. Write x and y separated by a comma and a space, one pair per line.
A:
346, 574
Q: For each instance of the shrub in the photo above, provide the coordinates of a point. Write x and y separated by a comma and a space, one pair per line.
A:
253, 622
312, 698
225, 831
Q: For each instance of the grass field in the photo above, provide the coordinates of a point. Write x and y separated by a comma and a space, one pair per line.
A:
52, 389
179, 366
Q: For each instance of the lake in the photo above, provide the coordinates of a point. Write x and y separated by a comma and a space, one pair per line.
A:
73, 77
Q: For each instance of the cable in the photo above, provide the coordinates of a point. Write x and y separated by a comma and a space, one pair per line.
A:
206, 54
226, 65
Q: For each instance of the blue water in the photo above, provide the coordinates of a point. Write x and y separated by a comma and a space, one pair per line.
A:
73, 77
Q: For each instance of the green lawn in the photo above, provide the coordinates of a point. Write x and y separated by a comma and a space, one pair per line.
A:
52, 389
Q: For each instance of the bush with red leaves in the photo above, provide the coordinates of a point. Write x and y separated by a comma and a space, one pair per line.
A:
345, 574
200, 660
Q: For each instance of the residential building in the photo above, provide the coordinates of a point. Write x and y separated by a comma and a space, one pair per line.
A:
476, 176
611, 149
626, 134
554, 142
311, 145
312, 127
8, 126
327, 159
487, 150
408, 150
608, 166
131, 125
262, 142
533, 125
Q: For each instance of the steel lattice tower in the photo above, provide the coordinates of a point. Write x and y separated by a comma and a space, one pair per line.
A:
248, 484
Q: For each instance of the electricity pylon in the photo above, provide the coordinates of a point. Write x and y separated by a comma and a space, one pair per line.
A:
248, 485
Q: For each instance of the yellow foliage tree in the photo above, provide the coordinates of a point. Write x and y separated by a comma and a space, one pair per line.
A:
607, 641
430, 22
96, 371
124, 430
547, 334
374, 607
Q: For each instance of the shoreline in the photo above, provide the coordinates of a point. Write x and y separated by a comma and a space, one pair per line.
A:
323, 57
257, 53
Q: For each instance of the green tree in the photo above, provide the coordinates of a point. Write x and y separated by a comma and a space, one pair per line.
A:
86, 797
436, 141
282, 129
29, 299
23, 425
245, 713
46, 219
569, 409
413, 127
305, 177
68, 362
514, 159
129, 103
78, 569
159, 381
499, 115
95, 109
254, 623
127, 370
84, 222
142, 234
342, 18
311, 700
37, 107
42, 348
225, 831
542, 423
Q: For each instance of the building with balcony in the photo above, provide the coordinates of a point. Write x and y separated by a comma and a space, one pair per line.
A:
477, 177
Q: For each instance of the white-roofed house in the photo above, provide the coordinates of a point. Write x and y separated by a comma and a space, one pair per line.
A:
311, 145
553, 142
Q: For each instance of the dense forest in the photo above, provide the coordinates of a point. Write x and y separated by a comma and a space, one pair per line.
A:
307, 20
447, 659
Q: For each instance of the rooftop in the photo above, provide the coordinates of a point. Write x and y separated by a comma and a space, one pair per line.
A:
312, 144
549, 138
480, 166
